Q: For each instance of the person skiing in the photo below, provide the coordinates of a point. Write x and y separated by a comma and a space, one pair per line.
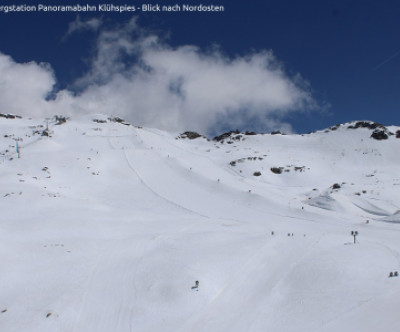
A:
196, 286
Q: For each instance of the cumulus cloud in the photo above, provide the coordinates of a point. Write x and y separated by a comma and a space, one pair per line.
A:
24, 88
138, 76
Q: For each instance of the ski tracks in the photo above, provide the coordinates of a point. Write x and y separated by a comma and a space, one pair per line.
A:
250, 291
107, 303
148, 187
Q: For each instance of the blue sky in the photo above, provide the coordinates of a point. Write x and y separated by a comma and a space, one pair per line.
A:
341, 57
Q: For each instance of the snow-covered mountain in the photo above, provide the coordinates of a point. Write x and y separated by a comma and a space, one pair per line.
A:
106, 227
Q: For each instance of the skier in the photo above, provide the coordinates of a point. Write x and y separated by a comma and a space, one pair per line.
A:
196, 286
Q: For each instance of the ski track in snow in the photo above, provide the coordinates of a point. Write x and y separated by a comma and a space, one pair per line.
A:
153, 191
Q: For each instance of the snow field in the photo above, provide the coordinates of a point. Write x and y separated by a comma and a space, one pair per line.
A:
111, 226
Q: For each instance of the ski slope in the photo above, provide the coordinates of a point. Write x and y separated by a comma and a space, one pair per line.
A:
106, 227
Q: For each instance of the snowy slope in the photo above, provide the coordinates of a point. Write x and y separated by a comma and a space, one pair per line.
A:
106, 227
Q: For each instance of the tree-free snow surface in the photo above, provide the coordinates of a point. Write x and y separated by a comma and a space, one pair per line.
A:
106, 227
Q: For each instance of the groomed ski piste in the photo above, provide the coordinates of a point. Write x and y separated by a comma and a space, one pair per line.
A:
106, 227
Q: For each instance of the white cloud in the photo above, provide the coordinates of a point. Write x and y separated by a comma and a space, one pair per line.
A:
79, 25
137, 76
24, 87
